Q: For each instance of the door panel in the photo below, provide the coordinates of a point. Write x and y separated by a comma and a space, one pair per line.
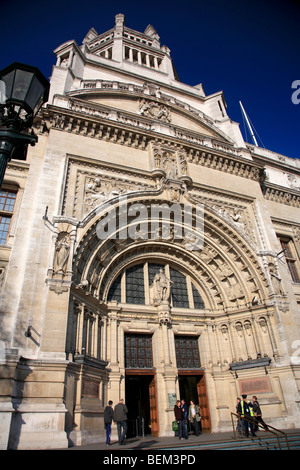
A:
203, 404
153, 408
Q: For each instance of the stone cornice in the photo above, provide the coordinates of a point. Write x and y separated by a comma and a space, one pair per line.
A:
123, 128
275, 193
275, 160
147, 91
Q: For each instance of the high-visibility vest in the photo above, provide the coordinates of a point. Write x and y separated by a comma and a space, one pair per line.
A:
250, 408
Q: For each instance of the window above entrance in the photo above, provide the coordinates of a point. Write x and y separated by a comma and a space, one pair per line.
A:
132, 286
138, 351
187, 352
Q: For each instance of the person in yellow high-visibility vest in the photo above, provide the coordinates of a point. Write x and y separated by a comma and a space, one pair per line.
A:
245, 410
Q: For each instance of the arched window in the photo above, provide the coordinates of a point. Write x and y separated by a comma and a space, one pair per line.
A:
133, 284
134, 280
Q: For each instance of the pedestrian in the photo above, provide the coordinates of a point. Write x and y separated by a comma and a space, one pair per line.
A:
194, 417
178, 412
239, 427
108, 417
120, 417
258, 415
245, 410
185, 418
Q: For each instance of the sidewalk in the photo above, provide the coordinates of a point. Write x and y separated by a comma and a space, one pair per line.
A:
169, 443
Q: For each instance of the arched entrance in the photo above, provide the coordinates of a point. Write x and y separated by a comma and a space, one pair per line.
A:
207, 286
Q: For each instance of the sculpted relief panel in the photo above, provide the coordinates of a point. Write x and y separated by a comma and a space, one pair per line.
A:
155, 110
88, 185
98, 190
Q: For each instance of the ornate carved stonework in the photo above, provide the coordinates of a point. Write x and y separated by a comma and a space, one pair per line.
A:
293, 181
170, 160
154, 110
59, 275
98, 190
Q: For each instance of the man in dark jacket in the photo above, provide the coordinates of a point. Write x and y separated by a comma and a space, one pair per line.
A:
120, 417
184, 408
258, 415
108, 417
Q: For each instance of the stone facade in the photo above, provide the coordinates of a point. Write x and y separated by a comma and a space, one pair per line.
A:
151, 310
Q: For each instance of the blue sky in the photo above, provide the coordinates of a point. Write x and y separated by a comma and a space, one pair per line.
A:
248, 49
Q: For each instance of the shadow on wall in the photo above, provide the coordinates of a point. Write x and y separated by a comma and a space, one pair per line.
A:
22, 371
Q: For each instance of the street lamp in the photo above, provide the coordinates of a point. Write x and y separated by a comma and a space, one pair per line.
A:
23, 90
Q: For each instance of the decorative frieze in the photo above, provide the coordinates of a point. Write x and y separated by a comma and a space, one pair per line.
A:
282, 195
123, 128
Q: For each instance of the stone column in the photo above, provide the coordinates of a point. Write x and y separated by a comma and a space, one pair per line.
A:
113, 353
167, 370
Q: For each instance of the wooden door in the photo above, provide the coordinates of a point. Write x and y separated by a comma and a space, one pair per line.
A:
153, 408
203, 404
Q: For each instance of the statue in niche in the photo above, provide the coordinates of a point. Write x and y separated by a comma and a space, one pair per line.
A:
160, 288
239, 329
93, 279
224, 331
276, 281
170, 166
62, 251
263, 324
184, 167
158, 158
247, 328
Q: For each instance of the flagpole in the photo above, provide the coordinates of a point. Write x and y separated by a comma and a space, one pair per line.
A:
248, 124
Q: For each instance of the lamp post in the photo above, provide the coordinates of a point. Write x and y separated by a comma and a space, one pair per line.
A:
23, 90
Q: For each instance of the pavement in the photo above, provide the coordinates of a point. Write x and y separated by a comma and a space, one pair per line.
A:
171, 443
149, 442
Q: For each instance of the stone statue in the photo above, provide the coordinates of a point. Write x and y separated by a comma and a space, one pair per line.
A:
170, 166
62, 251
161, 288
276, 281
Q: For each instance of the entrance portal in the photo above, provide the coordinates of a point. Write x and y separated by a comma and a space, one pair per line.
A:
140, 396
193, 387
